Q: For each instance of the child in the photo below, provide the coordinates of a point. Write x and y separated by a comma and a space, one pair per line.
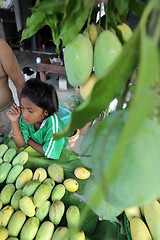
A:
35, 121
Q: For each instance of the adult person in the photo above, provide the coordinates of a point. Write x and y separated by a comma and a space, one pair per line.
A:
9, 68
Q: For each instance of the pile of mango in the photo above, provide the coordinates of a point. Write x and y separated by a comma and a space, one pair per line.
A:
31, 205
144, 221
91, 54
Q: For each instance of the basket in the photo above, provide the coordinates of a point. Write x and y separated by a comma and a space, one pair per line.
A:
64, 115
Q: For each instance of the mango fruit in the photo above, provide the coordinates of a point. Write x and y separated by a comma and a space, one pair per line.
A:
20, 158
125, 30
71, 184
1, 160
16, 222
56, 172
43, 210
3, 149
29, 229
7, 192
9, 155
56, 212
91, 32
4, 170
3, 233
16, 198
50, 182
78, 59
1, 204
78, 235
139, 230
87, 87
27, 206
152, 217
42, 233
30, 187
24, 177
132, 212
58, 192
41, 194
61, 233
81, 173
14, 173
107, 49
5, 215
12, 238
73, 216
40, 174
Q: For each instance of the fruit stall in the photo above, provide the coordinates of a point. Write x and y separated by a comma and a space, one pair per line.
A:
110, 189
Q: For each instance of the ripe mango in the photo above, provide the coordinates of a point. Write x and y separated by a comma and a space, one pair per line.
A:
16, 222
78, 59
20, 158
91, 32
73, 216
152, 217
30, 188
43, 210
4, 170
56, 212
58, 192
87, 87
125, 30
42, 233
27, 206
29, 229
24, 177
15, 199
7, 193
3, 149
132, 212
3, 233
41, 194
14, 173
78, 235
5, 215
9, 155
139, 230
107, 49
56, 172
61, 233
40, 174
81, 173
71, 184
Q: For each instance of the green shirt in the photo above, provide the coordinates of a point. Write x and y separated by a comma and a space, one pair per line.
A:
44, 136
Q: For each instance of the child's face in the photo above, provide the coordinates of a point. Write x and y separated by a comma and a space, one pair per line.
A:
31, 112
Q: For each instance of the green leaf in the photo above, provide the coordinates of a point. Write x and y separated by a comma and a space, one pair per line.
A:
137, 7
107, 88
76, 14
49, 6
122, 7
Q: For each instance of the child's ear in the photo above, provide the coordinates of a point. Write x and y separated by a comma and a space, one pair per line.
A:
46, 113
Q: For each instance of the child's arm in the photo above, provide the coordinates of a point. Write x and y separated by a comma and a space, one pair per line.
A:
36, 146
14, 114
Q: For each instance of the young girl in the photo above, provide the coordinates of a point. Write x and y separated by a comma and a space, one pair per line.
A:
35, 121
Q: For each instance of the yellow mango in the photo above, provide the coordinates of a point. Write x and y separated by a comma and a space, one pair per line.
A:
27, 206
71, 184
3, 233
40, 174
78, 235
81, 173
61, 233
24, 177
125, 30
56, 212
5, 215
132, 212
91, 32
20, 158
29, 229
16, 222
87, 87
139, 230
42, 233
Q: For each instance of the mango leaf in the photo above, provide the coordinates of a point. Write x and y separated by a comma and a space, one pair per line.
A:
122, 7
49, 6
106, 89
137, 7
76, 14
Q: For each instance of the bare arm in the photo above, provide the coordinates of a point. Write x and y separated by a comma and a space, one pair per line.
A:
11, 66
36, 146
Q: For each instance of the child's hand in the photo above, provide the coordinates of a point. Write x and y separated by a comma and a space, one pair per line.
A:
14, 113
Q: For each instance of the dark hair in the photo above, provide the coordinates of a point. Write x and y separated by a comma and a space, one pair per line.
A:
41, 94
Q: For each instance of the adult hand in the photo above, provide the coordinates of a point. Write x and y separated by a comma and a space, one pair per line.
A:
14, 113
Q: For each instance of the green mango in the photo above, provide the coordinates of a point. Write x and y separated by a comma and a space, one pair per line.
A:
1, 204
78, 235
107, 49
43, 210
3, 149
20, 158
4, 170
78, 59
3, 233
56, 172
56, 212
16, 222
5, 215
1, 160
61, 233
7, 193
14, 173
29, 229
15, 199
42, 233
41, 194
12, 238
58, 192
30, 188
73, 216
9, 155
50, 182
27, 206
